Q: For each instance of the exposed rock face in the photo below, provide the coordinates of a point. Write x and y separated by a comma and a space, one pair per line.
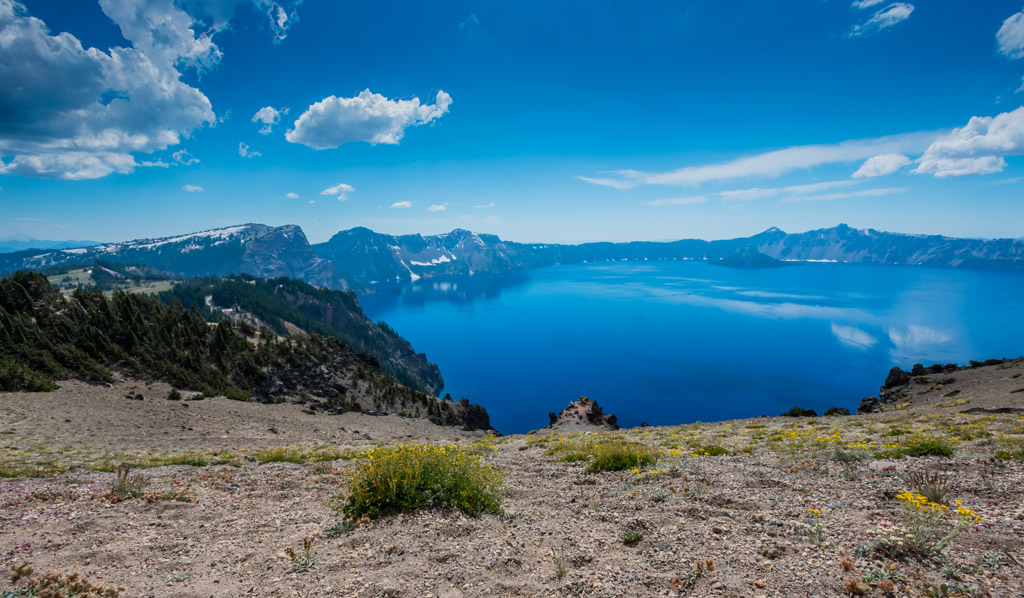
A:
584, 411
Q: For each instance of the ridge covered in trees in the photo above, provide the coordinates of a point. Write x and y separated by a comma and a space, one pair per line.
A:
47, 336
280, 302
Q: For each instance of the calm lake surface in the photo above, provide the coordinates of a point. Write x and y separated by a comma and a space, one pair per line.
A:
677, 342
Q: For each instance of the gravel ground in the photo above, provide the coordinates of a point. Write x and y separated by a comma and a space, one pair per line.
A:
748, 512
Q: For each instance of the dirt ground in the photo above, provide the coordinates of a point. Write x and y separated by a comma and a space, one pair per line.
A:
561, 534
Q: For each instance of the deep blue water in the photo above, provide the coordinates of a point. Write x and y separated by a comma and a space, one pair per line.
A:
677, 342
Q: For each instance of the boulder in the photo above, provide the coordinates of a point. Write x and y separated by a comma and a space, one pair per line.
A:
869, 405
918, 370
896, 377
836, 411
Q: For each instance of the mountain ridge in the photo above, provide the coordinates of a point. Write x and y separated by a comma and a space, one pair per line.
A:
361, 259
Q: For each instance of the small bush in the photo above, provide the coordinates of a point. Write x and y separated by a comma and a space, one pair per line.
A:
800, 412
607, 454
128, 485
930, 485
393, 480
921, 448
174, 395
237, 395
631, 537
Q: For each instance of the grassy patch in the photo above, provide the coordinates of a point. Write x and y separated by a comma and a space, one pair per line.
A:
919, 448
606, 454
301, 455
392, 480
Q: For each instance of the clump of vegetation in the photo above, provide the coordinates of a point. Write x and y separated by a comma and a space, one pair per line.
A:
631, 537
127, 485
304, 560
919, 448
688, 579
930, 485
925, 522
174, 395
392, 480
606, 454
800, 412
54, 585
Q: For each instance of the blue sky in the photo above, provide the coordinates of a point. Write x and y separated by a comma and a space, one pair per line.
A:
538, 121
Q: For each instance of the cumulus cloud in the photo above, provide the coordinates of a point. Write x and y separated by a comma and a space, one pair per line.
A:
291, 195
192, 188
82, 113
896, 12
245, 152
341, 190
976, 148
881, 165
269, 116
368, 117
438, 207
1011, 36
402, 204
770, 164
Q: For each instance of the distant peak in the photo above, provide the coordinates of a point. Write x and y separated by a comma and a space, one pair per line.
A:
773, 230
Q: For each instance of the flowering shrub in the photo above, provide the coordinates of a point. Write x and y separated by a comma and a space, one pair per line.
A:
393, 480
925, 521
607, 454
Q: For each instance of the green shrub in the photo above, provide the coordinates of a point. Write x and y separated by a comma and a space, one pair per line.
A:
392, 480
174, 395
800, 412
606, 454
237, 395
918, 448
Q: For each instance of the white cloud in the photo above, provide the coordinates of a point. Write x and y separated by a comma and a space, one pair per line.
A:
269, 116
843, 195
854, 337
192, 188
771, 164
291, 195
471, 21
679, 201
341, 190
184, 158
866, 3
245, 152
311, 202
485, 206
918, 336
438, 207
896, 12
756, 193
368, 117
976, 148
76, 113
402, 204
1011, 36
881, 165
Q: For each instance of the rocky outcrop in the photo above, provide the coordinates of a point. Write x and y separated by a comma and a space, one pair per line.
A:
897, 385
585, 412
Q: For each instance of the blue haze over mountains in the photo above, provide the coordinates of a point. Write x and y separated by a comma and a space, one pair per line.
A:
360, 259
